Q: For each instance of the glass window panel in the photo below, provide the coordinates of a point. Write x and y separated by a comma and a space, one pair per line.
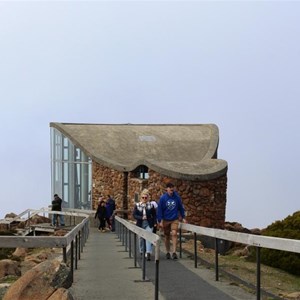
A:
72, 181
66, 195
66, 172
66, 154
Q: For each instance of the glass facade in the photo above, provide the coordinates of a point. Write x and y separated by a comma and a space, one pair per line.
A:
71, 172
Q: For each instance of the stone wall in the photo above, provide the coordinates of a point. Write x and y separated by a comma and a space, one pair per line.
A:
204, 201
107, 181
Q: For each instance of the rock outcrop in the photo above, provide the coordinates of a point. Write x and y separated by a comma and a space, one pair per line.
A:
42, 282
9, 267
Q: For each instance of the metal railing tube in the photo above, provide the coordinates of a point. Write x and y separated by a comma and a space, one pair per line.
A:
76, 251
144, 259
217, 258
258, 273
72, 261
65, 255
126, 239
135, 250
129, 242
195, 250
180, 242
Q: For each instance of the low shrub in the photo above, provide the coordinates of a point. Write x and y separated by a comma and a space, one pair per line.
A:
288, 228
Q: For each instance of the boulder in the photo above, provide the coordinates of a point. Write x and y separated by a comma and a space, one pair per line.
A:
38, 257
60, 232
9, 267
40, 282
61, 294
10, 215
20, 252
3, 289
37, 219
292, 296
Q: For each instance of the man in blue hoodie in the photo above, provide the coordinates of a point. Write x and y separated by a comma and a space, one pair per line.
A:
169, 210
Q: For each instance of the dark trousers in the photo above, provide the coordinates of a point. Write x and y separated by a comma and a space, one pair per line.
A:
108, 220
102, 223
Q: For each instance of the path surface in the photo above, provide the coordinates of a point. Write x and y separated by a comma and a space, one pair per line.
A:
105, 271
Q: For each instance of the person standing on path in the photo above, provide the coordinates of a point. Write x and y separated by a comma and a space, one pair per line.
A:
145, 215
155, 205
169, 211
110, 208
56, 206
101, 214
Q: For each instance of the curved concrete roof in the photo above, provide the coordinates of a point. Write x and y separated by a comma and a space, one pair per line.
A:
179, 151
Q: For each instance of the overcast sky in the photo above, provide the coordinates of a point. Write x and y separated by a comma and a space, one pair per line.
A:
232, 63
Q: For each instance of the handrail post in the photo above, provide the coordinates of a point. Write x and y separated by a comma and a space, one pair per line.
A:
195, 250
130, 248
126, 239
79, 246
157, 250
65, 255
217, 258
135, 249
180, 242
258, 273
144, 258
76, 251
72, 261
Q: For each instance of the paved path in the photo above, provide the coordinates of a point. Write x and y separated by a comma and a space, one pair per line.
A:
105, 271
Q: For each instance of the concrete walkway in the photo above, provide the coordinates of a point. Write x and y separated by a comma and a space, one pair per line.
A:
105, 271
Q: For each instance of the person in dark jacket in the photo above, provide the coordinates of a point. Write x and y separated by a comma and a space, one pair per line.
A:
101, 214
110, 208
56, 206
145, 215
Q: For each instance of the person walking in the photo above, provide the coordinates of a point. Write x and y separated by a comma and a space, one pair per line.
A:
155, 205
110, 208
168, 211
56, 206
145, 215
101, 214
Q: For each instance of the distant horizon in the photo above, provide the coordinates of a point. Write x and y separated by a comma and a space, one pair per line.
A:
226, 221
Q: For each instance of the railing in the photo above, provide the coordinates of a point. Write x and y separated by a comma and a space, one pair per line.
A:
257, 241
125, 228
78, 235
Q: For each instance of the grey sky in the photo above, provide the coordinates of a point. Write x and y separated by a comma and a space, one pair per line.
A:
232, 63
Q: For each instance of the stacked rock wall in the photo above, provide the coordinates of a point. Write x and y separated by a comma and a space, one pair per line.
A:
107, 181
204, 201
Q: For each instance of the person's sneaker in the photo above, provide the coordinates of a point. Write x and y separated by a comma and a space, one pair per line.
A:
168, 255
148, 256
174, 256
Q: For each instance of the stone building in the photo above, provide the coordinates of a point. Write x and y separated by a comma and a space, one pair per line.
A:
89, 160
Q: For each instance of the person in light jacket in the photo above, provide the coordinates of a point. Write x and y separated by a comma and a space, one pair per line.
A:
145, 215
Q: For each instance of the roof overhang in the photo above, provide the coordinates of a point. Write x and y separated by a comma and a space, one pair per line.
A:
183, 151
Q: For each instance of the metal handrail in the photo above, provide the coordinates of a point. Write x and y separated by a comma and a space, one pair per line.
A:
257, 241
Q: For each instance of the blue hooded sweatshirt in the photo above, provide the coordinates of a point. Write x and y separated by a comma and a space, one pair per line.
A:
169, 206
